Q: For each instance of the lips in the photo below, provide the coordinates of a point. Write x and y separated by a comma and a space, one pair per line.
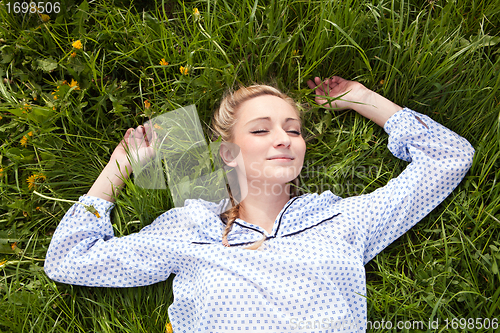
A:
281, 157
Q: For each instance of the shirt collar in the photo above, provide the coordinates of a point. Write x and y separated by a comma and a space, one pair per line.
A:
299, 214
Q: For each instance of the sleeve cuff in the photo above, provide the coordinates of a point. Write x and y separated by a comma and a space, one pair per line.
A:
408, 128
405, 117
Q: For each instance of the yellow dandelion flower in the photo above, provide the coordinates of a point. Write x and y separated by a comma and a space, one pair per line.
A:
1, 117
34, 179
24, 141
1, 172
196, 14
73, 54
55, 97
168, 328
184, 70
34, 98
30, 133
3, 262
31, 181
163, 62
147, 105
45, 18
37, 208
74, 84
77, 45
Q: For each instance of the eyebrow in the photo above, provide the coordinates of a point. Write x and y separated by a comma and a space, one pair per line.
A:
269, 118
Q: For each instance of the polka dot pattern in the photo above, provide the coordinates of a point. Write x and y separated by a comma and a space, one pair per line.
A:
309, 273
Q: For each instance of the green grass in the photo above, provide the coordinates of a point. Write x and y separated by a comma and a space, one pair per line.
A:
440, 58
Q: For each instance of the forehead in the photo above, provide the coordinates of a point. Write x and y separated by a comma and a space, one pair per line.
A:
264, 106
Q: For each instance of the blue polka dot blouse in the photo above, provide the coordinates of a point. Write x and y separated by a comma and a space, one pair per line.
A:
307, 276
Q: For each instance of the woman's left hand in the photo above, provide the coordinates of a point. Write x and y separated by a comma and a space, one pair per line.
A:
350, 93
354, 96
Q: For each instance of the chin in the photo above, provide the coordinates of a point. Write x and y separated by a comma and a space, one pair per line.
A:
281, 178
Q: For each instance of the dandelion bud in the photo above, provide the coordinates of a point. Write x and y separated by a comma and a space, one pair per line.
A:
196, 14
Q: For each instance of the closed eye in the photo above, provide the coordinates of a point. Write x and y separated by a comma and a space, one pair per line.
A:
265, 131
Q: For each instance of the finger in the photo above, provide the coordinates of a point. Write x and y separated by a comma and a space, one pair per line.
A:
311, 84
126, 137
134, 140
325, 86
127, 134
148, 131
151, 135
154, 139
139, 134
145, 135
333, 84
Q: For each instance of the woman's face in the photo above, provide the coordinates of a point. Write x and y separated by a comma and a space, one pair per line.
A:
272, 149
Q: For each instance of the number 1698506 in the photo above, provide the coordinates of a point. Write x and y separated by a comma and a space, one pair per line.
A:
33, 7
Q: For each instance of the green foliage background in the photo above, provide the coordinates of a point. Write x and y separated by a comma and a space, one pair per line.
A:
440, 58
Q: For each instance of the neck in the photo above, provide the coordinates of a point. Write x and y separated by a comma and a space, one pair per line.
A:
261, 205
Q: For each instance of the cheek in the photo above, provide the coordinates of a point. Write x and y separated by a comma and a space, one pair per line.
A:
254, 147
251, 154
301, 148
301, 155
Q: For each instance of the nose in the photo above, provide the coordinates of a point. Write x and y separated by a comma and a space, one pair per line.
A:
281, 139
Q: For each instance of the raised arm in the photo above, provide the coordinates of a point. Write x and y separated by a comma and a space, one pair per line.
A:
439, 160
84, 249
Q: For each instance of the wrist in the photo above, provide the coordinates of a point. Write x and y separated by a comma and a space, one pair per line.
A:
364, 96
376, 107
119, 166
110, 181
358, 97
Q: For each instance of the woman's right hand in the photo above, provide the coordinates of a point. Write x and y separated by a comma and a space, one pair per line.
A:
137, 146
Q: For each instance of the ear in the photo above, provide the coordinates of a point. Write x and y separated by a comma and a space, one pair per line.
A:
228, 152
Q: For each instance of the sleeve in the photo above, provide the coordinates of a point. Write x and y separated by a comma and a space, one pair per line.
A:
84, 250
439, 160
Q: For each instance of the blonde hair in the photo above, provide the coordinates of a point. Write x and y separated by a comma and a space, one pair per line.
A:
223, 121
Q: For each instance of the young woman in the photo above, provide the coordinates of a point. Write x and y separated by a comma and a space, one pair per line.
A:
275, 262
